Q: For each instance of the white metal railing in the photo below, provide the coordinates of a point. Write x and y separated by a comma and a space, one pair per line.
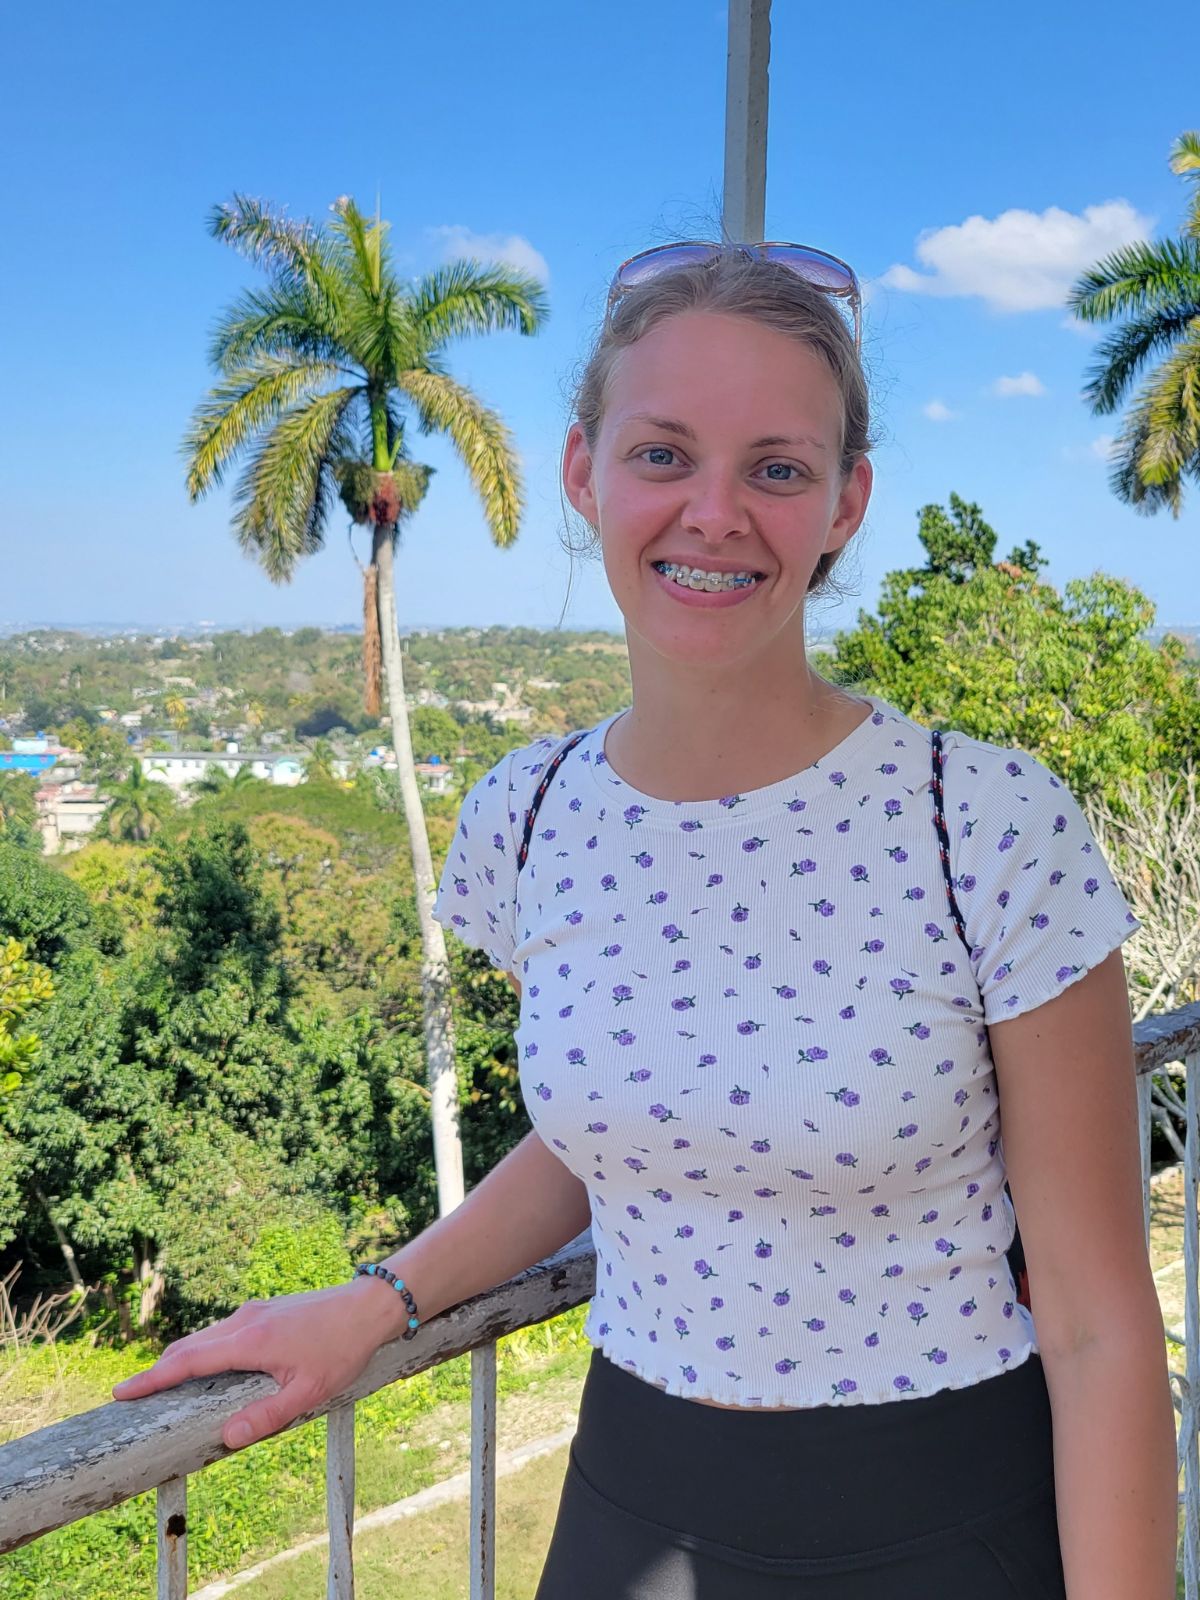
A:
103, 1457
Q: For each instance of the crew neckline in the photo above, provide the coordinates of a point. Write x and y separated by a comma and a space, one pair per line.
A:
791, 793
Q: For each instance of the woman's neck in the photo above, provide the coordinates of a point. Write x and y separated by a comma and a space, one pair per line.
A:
701, 744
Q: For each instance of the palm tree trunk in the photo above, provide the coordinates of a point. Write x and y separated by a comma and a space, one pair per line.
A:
435, 968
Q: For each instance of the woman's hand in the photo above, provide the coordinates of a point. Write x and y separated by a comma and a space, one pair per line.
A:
314, 1345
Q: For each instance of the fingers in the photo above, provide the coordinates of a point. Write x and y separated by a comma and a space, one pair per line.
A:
197, 1356
276, 1411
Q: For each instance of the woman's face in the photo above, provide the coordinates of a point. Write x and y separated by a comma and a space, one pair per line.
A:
719, 450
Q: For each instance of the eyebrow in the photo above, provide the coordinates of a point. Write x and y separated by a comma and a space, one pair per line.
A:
681, 429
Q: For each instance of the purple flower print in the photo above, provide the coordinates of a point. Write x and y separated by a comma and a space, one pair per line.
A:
765, 1194
846, 1158
968, 1308
681, 1327
761, 1147
784, 1367
822, 968
716, 1303
662, 1194
642, 859
822, 1211
900, 987
689, 1374
781, 1297
725, 1342
748, 1026
785, 991
1005, 1355
597, 1127
635, 1163
930, 1216
814, 1053
735, 1216
880, 1211
635, 1212
697, 1174
702, 1269
917, 1311
685, 1231
871, 1341
906, 1132
660, 1279
814, 1325
879, 1057
739, 913
844, 1239
762, 1249
923, 1163
752, 844
681, 1144
847, 1297
739, 1097
611, 950
621, 992
843, 1387
946, 1248
623, 1036
824, 908
894, 1271
938, 1357
662, 1114
638, 1075
576, 1057
802, 868
685, 1002
541, 1091
672, 933
859, 875
904, 1384
752, 963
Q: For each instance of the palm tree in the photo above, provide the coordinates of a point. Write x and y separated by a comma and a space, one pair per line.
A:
1155, 286
216, 780
176, 711
319, 374
137, 807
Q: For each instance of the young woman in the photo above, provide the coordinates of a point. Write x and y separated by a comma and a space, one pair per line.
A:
788, 964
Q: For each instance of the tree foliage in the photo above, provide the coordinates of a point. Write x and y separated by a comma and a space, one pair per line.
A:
1153, 289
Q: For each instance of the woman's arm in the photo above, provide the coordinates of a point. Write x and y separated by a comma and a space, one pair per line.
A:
1070, 1131
527, 1207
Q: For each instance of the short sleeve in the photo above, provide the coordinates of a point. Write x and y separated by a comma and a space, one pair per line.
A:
1040, 904
475, 896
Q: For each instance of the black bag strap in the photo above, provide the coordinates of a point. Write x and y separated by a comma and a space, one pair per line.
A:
539, 794
939, 822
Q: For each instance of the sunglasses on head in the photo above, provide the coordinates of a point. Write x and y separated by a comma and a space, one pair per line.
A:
823, 271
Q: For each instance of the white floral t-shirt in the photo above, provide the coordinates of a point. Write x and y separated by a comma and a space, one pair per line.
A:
751, 1029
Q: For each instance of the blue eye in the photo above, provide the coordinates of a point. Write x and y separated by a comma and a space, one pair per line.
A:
659, 450
786, 466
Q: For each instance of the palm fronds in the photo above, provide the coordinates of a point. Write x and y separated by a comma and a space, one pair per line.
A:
482, 441
1155, 286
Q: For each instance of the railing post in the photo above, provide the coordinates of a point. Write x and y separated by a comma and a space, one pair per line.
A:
1190, 1418
483, 1473
339, 1500
171, 1509
1145, 1088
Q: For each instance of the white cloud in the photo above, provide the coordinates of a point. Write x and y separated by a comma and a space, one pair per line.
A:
1020, 260
937, 412
459, 242
1024, 383
1099, 449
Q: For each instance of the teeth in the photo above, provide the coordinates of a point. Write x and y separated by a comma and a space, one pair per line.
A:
697, 578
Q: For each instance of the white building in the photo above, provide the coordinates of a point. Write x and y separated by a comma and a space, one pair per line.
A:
178, 768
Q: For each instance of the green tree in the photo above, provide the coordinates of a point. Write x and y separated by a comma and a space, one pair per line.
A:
137, 808
215, 780
986, 646
334, 310
18, 810
1154, 286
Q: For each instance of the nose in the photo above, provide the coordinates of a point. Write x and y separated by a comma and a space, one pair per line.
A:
715, 506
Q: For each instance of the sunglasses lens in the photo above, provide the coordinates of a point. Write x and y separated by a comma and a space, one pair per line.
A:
667, 259
822, 270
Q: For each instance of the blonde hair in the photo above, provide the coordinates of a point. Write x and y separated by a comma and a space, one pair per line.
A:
742, 286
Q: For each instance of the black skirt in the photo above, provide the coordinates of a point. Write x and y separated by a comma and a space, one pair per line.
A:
928, 1499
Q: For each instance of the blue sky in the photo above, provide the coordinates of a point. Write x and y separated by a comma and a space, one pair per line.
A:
967, 159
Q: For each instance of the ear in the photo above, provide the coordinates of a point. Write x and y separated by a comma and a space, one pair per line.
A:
577, 474
852, 505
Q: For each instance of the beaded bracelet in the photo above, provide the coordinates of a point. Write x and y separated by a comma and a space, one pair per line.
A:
369, 1269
